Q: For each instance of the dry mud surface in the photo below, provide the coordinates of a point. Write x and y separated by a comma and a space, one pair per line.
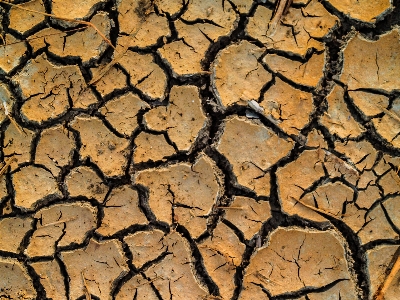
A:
208, 154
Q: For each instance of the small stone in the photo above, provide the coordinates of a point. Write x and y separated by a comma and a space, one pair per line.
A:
183, 118
104, 148
12, 232
84, 182
51, 279
121, 112
121, 204
151, 147
55, 149
95, 267
15, 282
32, 185
146, 246
237, 75
248, 215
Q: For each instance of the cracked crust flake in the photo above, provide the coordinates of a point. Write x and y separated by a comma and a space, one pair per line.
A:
122, 203
122, 112
105, 148
222, 254
364, 10
252, 149
95, 268
55, 149
32, 185
317, 258
237, 74
84, 182
61, 225
15, 282
298, 32
183, 193
183, 118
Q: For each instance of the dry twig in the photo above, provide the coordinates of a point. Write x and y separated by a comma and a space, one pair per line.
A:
388, 280
6, 165
281, 9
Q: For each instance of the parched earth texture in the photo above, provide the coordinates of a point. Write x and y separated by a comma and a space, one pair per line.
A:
200, 149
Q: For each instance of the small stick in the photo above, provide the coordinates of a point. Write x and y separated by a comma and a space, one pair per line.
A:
85, 288
8, 163
315, 208
104, 70
392, 114
388, 280
281, 8
21, 131
59, 222
230, 207
64, 19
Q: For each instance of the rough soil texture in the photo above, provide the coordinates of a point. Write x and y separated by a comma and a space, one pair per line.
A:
213, 152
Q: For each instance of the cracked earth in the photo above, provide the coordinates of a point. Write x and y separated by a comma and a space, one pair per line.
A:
194, 149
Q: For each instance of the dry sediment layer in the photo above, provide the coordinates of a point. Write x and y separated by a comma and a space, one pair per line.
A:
205, 155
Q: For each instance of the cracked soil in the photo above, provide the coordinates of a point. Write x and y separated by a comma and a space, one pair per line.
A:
200, 149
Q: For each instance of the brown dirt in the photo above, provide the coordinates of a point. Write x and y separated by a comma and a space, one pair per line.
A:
207, 154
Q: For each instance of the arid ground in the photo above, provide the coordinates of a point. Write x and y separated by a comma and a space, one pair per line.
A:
200, 149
